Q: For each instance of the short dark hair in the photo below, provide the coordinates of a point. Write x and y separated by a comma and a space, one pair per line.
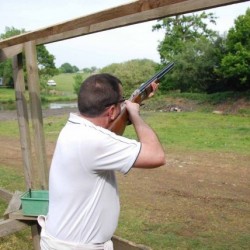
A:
98, 92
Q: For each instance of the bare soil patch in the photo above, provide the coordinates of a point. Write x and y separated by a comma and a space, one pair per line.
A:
204, 192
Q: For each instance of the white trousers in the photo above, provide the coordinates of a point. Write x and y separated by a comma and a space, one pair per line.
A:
48, 242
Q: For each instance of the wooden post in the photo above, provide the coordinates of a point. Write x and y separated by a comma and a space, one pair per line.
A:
35, 231
36, 113
22, 114
23, 120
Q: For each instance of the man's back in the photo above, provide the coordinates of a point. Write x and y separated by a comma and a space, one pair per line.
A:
84, 202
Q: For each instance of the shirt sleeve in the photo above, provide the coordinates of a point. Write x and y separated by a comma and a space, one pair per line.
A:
113, 152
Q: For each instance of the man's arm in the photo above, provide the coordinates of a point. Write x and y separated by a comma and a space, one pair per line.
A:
152, 154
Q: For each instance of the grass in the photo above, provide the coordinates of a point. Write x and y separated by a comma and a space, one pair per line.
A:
66, 81
7, 95
9, 128
9, 177
192, 131
12, 180
200, 131
215, 98
196, 131
63, 91
185, 131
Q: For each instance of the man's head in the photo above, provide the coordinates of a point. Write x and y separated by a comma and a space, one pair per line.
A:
97, 93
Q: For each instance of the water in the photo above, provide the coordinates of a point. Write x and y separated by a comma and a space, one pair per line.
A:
58, 105
53, 105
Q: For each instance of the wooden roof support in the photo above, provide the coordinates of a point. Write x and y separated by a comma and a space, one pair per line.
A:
124, 15
170, 9
11, 51
127, 14
23, 120
36, 113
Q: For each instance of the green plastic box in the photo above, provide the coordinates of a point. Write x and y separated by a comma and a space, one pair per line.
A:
35, 202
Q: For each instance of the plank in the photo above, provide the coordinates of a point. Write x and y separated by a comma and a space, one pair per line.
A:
40, 166
14, 204
122, 244
138, 17
10, 226
35, 232
10, 52
18, 215
127, 14
23, 119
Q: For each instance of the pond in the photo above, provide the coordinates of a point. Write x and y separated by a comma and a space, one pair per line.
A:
59, 105
52, 105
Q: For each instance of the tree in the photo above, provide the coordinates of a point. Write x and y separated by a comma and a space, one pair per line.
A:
90, 70
6, 67
45, 60
181, 29
78, 78
68, 68
235, 64
11, 31
194, 70
132, 73
189, 43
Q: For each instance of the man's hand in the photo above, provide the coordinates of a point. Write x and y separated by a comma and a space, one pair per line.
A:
133, 108
154, 86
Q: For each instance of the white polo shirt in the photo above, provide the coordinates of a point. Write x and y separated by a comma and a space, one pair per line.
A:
83, 197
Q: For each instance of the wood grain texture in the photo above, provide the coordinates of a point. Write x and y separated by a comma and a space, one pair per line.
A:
127, 14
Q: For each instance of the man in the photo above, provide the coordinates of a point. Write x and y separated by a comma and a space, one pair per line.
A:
83, 197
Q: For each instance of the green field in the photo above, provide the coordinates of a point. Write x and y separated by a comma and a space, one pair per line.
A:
188, 130
63, 91
191, 132
201, 201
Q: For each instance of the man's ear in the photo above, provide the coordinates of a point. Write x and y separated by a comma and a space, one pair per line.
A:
112, 112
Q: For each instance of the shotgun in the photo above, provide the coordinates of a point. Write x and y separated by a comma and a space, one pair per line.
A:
139, 95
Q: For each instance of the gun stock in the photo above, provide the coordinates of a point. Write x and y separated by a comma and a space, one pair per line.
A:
120, 123
138, 96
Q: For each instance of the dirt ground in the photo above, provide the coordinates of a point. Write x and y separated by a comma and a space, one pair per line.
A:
203, 192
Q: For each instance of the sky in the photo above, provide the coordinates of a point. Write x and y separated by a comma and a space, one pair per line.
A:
103, 48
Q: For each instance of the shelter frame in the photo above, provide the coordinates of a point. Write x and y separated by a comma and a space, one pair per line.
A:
35, 168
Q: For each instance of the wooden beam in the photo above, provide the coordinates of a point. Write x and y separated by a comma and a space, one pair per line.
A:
11, 226
23, 119
123, 244
178, 8
14, 204
35, 232
36, 114
127, 14
10, 52
18, 215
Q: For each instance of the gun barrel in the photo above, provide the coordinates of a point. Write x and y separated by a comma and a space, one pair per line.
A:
157, 76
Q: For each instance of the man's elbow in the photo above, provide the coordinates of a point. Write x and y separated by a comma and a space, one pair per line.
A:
161, 160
